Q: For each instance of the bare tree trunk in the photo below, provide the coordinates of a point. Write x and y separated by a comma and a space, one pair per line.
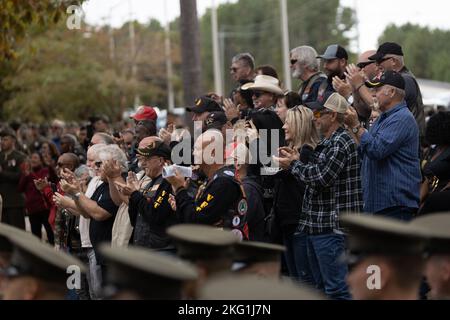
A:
190, 51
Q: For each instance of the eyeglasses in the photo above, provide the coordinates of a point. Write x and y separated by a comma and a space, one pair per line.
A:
319, 113
362, 65
98, 164
258, 94
293, 61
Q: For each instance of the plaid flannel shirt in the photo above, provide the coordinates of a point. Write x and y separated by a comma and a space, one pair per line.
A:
333, 183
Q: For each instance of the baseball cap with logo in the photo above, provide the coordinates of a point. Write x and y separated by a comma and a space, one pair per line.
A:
204, 104
391, 78
334, 51
145, 113
155, 148
387, 48
216, 120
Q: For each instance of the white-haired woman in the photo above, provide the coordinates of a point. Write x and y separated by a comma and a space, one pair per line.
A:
301, 134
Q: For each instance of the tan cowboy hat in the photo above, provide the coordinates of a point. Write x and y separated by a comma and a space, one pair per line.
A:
264, 83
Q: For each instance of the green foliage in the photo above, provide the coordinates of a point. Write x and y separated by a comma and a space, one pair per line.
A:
426, 50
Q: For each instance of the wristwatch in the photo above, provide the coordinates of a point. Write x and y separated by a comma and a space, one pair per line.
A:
77, 195
355, 130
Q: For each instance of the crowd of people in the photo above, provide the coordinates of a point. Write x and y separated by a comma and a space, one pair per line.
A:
344, 173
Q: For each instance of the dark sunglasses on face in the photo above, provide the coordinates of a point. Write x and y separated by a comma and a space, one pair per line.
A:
258, 94
98, 164
362, 65
293, 61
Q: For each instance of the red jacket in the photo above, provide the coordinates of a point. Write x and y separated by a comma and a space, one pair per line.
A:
34, 201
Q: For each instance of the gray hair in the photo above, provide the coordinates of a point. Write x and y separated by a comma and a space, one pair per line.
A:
113, 152
105, 138
246, 57
82, 170
307, 56
97, 148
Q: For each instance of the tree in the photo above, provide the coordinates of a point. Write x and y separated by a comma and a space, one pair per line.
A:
190, 51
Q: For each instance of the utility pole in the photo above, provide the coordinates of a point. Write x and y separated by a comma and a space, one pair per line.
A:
285, 37
216, 54
133, 51
169, 68
190, 52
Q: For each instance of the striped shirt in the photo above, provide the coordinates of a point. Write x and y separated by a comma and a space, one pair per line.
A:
391, 168
333, 183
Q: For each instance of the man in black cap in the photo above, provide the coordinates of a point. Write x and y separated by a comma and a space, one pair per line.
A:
221, 199
37, 271
139, 274
385, 256
335, 61
391, 167
218, 120
150, 212
389, 57
202, 108
437, 271
10, 172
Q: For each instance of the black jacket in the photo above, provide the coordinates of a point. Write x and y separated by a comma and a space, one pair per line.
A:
151, 214
255, 213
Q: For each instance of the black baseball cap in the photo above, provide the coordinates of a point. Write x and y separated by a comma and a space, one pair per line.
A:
216, 120
204, 104
156, 148
8, 132
387, 48
334, 51
391, 78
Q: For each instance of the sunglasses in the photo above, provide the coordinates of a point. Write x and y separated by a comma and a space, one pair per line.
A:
362, 65
98, 164
258, 94
293, 61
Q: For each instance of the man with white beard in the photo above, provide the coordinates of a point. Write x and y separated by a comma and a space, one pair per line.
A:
305, 67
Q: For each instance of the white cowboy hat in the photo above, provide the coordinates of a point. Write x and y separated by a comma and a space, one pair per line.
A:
264, 83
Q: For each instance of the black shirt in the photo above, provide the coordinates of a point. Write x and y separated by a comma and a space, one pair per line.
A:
101, 231
255, 212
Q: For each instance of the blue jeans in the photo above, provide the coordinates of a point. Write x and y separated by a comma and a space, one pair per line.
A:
297, 258
401, 213
329, 273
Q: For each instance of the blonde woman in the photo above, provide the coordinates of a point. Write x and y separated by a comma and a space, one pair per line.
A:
302, 135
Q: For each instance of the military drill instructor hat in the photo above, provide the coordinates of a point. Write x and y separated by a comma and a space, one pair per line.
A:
264, 83
437, 228
252, 251
31, 257
204, 104
8, 132
216, 120
202, 242
5, 231
376, 235
149, 273
156, 148
252, 287
387, 48
391, 78
334, 51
